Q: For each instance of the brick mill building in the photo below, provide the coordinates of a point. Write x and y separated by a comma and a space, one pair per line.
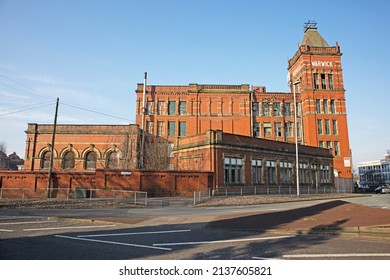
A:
191, 137
174, 112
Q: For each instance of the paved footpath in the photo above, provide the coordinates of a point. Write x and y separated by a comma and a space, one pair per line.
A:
328, 216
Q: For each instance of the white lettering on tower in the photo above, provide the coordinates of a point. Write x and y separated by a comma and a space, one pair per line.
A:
319, 63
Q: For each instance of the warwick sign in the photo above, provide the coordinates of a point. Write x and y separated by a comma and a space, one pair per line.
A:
319, 63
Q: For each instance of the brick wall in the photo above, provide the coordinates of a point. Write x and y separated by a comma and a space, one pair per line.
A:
156, 183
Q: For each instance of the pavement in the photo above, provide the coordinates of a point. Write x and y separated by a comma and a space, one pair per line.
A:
330, 217
334, 217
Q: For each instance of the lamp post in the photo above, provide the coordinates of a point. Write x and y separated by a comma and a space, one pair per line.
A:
296, 135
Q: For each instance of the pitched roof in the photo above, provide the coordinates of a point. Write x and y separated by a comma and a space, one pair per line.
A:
313, 38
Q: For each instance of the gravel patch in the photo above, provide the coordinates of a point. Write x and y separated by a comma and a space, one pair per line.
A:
213, 202
267, 199
64, 204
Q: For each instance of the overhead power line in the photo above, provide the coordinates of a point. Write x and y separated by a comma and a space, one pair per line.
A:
96, 112
19, 111
39, 93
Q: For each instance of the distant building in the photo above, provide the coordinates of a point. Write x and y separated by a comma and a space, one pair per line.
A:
374, 173
11, 162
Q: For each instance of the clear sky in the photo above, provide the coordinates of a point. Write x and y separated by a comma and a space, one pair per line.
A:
92, 54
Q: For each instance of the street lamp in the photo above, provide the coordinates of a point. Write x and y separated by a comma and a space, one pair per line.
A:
296, 135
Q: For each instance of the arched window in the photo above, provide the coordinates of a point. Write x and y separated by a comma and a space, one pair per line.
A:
68, 160
90, 160
45, 160
112, 160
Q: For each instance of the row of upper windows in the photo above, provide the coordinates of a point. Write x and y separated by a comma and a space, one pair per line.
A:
68, 160
258, 108
328, 106
323, 81
172, 109
276, 129
329, 127
272, 109
171, 128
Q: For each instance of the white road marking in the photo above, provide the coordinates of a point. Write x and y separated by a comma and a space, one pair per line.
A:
72, 227
134, 233
261, 258
336, 255
6, 230
23, 223
224, 241
114, 243
19, 217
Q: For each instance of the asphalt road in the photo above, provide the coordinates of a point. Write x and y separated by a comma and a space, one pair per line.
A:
171, 233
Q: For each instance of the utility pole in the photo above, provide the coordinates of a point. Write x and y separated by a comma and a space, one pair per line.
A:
141, 165
52, 150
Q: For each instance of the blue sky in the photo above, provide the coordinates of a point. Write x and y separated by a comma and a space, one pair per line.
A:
92, 54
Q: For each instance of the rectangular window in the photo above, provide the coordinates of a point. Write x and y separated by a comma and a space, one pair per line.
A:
161, 128
149, 107
160, 107
182, 107
182, 128
325, 173
329, 144
321, 144
255, 108
276, 107
316, 84
303, 173
323, 82
278, 129
330, 81
271, 172
256, 171
336, 148
287, 109
267, 129
256, 129
327, 127
172, 108
325, 106
319, 127
335, 127
285, 172
265, 106
289, 129
171, 128
318, 106
332, 106
233, 170
150, 127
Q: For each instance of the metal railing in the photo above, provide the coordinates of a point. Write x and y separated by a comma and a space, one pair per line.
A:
204, 195
131, 197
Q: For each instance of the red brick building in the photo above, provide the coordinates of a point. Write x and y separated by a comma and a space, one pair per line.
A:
238, 160
174, 112
206, 136
82, 148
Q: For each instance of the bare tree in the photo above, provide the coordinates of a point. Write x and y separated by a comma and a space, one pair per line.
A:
156, 153
3, 147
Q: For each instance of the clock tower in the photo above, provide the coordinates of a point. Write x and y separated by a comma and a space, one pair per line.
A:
316, 73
